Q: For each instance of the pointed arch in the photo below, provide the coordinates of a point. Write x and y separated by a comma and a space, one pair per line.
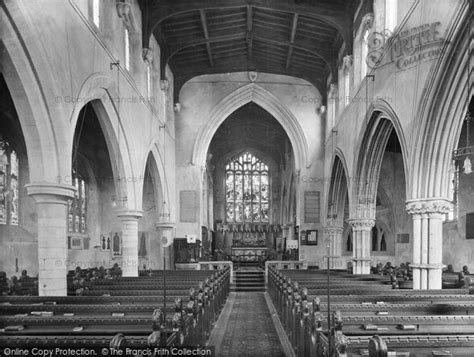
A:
30, 104
257, 94
156, 166
338, 187
441, 111
371, 149
99, 90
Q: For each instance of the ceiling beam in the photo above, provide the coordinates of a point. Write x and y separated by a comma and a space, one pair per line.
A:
292, 40
334, 15
249, 32
202, 14
162, 10
184, 45
324, 55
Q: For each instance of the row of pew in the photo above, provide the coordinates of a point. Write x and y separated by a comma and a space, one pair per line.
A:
135, 311
410, 322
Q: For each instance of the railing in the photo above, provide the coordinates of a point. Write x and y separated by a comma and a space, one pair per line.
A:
217, 265
284, 265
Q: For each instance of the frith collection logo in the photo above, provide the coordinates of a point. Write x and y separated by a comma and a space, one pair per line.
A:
405, 49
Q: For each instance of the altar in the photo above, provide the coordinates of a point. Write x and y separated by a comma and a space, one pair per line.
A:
249, 254
249, 247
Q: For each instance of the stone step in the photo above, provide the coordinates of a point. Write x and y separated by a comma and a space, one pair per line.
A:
248, 281
247, 278
235, 288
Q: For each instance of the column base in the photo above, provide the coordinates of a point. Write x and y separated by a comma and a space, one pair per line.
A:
361, 266
337, 262
429, 276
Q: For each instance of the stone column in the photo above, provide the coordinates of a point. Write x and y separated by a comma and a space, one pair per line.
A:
361, 230
333, 235
129, 219
427, 261
51, 207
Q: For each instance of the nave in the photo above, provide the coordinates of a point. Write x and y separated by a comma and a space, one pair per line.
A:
168, 166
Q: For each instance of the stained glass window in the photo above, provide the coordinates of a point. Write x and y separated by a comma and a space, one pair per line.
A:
77, 206
8, 184
247, 190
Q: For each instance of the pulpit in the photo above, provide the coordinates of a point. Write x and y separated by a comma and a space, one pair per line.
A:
185, 252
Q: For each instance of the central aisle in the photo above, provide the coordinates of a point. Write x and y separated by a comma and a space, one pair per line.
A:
247, 327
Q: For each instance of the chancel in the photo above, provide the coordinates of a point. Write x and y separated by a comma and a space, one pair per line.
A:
237, 178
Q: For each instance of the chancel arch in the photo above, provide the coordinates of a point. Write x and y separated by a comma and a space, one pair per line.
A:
253, 174
252, 93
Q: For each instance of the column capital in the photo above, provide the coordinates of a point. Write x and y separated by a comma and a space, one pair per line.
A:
128, 215
47, 192
363, 224
428, 206
332, 229
165, 225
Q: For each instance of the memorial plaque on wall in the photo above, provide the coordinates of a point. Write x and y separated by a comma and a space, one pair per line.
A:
188, 206
311, 207
304, 237
470, 225
403, 238
312, 237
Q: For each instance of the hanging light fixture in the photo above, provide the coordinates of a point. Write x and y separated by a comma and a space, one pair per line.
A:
468, 150
467, 165
463, 154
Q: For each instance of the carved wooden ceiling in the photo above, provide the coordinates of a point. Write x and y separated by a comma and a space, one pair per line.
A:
299, 38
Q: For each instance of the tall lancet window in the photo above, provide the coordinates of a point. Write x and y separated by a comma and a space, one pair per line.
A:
247, 190
77, 206
126, 38
96, 12
8, 184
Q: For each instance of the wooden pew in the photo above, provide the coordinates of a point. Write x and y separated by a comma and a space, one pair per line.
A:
103, 317
404, 313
